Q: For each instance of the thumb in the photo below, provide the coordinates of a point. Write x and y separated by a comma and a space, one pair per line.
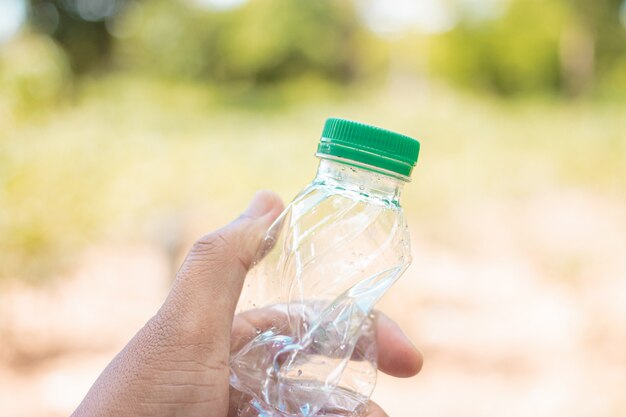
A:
208, 284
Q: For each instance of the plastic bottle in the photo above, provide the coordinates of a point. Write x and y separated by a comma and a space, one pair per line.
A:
303, 338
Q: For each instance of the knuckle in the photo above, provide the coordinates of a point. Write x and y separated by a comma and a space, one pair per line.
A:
218, 248
208, 244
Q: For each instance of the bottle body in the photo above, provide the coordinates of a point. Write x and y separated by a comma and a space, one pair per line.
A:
303, 337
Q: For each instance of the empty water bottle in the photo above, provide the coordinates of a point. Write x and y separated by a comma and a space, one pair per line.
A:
304, 342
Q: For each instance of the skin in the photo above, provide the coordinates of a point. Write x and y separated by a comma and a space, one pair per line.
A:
177, 364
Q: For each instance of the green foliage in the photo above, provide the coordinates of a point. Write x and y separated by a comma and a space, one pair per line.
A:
519, 48
86, 43
516, 53
602, 20
262, 42
566, 47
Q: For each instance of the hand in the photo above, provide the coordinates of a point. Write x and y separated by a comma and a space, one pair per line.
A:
177, 364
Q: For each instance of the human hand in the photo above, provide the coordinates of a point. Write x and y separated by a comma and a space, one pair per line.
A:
177, 364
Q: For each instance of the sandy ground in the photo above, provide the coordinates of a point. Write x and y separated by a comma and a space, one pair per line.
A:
522, 313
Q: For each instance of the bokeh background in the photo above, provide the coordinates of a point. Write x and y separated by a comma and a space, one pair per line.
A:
130, 127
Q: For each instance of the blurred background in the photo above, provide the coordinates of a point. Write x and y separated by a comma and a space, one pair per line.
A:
128, 128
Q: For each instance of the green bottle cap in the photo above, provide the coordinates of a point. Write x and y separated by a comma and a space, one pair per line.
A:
368, 146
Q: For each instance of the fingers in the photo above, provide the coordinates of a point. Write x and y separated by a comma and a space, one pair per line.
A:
209, 282
250, 323
397, 356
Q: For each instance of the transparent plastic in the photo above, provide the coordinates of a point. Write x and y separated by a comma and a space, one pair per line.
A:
303, 337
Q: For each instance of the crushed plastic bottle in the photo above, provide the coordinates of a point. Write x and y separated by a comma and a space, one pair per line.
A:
303, 337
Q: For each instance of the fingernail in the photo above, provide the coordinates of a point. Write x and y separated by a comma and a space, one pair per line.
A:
261, 204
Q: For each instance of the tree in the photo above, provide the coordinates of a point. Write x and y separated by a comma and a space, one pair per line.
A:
535, 47
80, 27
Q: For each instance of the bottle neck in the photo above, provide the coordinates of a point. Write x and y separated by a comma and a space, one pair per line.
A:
363, 181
